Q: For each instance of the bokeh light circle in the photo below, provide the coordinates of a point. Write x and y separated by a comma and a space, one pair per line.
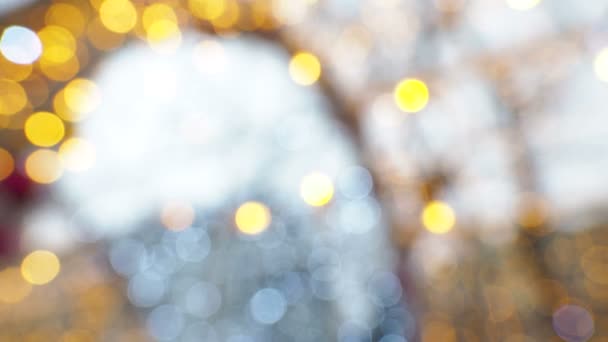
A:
44, 129
20, 45
40, 267
411, 95
252, 218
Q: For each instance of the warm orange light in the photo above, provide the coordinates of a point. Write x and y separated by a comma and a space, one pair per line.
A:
7, 164
12, 97
40, 267
118, 16
13, 288
177, 216
43, 166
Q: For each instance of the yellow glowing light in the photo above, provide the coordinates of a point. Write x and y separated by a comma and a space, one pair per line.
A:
316, 189
60, 71
40, 267
118, 16
305, 68
44, 129
411, 95
157, 12
438, 217
7, 164
177, 216
81, 97
13, 288
600, 65
102, 38
207, 9
58, 44
79, 335
14, 71
66, 15
252, 218
12, 97
77, 155
523, 5
43, 166
164, 35
229, 17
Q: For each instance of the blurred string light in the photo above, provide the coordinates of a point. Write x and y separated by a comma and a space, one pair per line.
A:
523, 5
252, 218
7, 164
12, 97
44, 166
44, 129
40, 267
411, 95
77, 155
20, 45
600, 65
438, 217
304, 68
316, 189
118, 16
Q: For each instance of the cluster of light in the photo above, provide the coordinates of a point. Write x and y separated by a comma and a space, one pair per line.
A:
118, 16
44, 129
316, 189
20, 45
7, 164
304, 68
411, 95
102, 38
177, 216
207, 9
252, 218
40, 267
44, 166
523, 5
438, 217
161, 26
68, 16
58, 44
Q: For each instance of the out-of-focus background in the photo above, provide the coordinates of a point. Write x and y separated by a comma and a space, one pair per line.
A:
303, 170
